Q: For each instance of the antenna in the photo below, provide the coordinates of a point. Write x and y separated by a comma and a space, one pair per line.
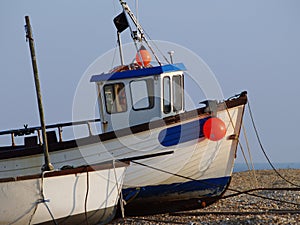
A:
136, 9
171, 53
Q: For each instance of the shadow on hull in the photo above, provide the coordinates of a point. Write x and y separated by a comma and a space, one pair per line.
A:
159, 205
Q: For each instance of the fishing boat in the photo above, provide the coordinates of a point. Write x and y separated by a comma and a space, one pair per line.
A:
142, 112
143, 105
82, 195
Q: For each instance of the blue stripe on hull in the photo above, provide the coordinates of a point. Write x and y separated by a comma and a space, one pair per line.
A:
182, 133
173, 192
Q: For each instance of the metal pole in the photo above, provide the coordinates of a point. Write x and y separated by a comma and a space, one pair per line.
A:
47, 166
171, 53
120, 48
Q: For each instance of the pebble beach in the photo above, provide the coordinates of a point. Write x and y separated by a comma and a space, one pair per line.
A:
276, 206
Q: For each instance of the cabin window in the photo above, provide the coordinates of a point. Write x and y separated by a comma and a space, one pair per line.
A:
166, 95
142, 94
177, 93
115, 98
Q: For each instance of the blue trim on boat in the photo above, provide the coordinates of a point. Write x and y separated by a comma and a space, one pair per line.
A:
182, 133
211, 187
138, 73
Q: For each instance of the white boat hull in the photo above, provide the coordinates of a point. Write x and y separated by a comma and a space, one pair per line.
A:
198, 170
67, 198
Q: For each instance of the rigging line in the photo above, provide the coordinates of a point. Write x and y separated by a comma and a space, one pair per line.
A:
140, 220
134, 41
237, 213
244, 155
36, 205
114, 6
238, 139
127, 10
43, 200
136, 10
208, 183
178, 175
263, 150
119, 188
53, 219
242, 149
114, 56
250, 155
262, 189
264, 197
151, 49
86, 195
34, 210
165, 58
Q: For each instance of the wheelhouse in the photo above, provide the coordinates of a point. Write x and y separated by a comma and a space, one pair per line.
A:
138, 96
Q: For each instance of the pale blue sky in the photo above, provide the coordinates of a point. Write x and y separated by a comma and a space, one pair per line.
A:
250, 45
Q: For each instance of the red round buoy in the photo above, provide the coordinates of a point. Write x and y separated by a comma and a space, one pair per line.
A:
143, 57
214, 129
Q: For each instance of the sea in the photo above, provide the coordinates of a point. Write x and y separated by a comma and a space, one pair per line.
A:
239, 167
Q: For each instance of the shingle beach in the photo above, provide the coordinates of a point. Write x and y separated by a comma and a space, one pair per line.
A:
243, 208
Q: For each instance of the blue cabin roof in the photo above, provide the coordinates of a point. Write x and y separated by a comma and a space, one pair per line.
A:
138, 73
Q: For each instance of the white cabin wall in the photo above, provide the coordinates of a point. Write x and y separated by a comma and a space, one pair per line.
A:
133, 117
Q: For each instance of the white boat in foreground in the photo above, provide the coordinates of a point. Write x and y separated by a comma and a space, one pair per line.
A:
83, 195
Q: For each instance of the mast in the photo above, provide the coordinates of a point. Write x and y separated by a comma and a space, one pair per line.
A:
47, 166
138, 26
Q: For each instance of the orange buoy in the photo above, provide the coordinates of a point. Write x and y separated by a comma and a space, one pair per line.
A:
214, 129
143, 57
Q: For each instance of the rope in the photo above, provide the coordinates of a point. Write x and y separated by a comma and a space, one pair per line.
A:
53, 219
250, 156
119, 188
239, 143
153, 52
43, 200
263, 150
86, 196
114, 56
244, 155
31, 217
136, 10
135, 45
238, 213
263, 189
208, 183
165, 58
